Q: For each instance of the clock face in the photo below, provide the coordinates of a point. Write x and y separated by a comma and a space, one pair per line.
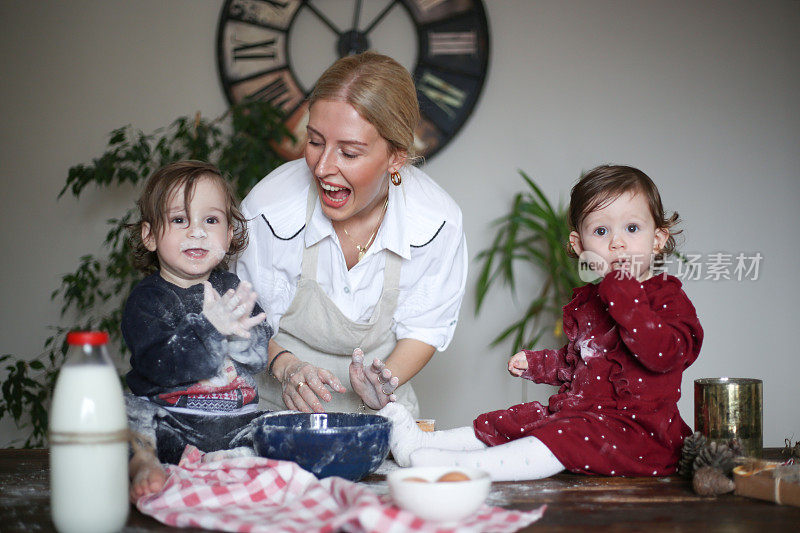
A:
275, 50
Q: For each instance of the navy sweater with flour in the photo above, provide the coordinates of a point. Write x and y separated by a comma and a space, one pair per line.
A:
178, 359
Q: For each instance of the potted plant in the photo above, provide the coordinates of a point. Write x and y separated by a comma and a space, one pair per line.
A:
535, 234
240, 142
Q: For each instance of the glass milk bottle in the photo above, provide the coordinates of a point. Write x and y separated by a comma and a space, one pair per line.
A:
88, 440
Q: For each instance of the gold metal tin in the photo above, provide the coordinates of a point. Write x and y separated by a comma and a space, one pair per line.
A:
728, 408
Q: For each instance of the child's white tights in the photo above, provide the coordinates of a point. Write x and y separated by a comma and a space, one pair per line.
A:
526, 458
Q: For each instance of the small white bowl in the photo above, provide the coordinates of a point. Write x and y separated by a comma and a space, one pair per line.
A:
442, 501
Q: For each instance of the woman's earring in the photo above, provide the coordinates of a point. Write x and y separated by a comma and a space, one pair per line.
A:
396, 179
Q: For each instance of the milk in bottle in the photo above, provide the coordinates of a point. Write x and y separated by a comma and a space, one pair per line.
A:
88, 440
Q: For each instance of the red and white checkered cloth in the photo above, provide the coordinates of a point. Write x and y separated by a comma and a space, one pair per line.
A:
252, 494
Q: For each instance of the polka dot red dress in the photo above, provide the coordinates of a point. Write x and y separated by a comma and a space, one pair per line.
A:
620, 374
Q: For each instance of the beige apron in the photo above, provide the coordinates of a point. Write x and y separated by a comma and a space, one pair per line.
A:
316, 331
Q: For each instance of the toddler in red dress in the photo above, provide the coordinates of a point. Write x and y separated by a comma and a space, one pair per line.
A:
630, 337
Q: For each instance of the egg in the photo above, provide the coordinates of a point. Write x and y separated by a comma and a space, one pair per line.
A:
416, 479
453, 476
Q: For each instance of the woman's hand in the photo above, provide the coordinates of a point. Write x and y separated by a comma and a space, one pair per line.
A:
305, 384
518, 364
375, 384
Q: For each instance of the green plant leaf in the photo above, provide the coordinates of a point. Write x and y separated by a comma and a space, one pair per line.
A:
539, 194
532, 234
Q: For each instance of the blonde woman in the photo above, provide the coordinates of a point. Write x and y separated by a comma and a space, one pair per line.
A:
358, 257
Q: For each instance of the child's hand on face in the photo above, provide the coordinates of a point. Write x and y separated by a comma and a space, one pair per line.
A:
230, 313
518, 364
624, 268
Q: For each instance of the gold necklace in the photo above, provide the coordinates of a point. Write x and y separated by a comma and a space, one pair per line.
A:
362, 250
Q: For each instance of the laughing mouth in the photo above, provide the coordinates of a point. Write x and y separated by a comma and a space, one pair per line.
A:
335, 193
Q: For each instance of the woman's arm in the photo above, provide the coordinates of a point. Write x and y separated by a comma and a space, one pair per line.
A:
428, 304
408, 358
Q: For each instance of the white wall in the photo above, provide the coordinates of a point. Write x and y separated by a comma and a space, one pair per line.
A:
700, 95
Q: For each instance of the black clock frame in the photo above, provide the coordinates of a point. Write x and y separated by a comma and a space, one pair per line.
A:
452, 77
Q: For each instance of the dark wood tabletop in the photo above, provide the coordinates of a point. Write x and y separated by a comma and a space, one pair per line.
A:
574, 502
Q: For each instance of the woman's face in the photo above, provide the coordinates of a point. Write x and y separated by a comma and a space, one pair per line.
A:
350, 160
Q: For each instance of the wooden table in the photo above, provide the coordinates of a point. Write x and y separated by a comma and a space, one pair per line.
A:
574, 503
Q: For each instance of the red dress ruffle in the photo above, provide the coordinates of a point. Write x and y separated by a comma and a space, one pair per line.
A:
619, 375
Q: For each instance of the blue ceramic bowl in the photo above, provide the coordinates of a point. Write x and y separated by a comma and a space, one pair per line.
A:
347, 445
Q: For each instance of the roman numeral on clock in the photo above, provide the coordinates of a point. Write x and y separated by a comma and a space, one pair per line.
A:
259, 50
275, 92
275, 14
425, 5
447, 97
452, 42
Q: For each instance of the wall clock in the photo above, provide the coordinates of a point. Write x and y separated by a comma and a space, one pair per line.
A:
265, 49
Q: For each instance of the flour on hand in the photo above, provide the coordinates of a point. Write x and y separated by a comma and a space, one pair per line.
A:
587, 349
230, 313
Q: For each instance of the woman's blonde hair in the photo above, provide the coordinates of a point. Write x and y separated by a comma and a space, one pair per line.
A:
381, 90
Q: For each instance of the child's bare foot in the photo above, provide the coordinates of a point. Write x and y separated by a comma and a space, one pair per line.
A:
375, 384
147, 474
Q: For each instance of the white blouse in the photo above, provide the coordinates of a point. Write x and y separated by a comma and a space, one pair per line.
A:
422, 224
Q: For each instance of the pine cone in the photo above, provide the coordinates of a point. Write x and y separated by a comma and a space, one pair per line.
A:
716, 455
792, 451
710, 481
691, 447
736, 447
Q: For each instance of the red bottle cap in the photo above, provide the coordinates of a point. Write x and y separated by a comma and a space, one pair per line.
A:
95, 338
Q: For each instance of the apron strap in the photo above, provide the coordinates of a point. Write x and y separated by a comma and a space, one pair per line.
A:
391, 271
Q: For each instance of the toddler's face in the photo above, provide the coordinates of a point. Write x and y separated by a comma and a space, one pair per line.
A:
622, 234
192, 244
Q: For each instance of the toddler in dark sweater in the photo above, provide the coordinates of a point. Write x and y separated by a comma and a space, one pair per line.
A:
196, 335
